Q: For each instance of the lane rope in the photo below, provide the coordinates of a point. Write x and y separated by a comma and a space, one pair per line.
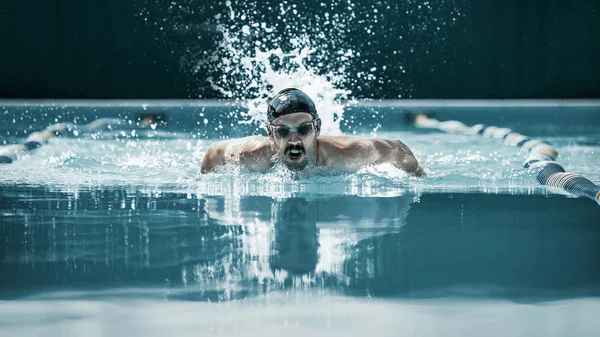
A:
541, 156
9, 153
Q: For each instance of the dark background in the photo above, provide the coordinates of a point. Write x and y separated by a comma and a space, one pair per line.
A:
134, 49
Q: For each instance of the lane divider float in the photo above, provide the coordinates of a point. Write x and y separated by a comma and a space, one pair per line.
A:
8, 153
541, 156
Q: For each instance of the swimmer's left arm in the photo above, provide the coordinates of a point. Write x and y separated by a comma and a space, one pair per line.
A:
398, 154
394, 152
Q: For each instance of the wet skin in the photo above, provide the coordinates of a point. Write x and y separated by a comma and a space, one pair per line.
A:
297, 151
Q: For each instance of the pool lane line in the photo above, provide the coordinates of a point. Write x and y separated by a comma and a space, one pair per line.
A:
541, 156
8, 153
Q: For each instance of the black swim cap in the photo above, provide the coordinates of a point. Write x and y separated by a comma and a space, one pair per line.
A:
289, 101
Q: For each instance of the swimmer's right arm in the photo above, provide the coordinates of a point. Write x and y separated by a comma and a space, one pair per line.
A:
251, 153
213, 158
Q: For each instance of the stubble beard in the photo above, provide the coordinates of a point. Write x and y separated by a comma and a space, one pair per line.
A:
308, 158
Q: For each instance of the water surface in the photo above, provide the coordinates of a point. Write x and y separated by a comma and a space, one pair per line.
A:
115, 233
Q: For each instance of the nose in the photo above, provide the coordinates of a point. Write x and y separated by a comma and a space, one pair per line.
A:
295, 138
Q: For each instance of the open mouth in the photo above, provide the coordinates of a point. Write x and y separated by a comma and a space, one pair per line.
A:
295, 154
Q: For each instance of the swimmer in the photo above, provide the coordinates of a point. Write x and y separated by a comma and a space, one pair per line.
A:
293, 140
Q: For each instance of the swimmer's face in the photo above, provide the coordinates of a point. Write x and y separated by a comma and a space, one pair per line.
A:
294, 138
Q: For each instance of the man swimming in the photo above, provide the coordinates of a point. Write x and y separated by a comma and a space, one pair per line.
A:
293, 140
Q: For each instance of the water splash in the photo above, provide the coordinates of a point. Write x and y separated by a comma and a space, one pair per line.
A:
262, 76
256, 59
356, 48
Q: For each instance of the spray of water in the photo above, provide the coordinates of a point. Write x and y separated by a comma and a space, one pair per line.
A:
257, 58
335, 50
265, 80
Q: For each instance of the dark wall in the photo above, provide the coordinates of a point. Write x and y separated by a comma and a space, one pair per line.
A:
130, 49
81, 49
533, 48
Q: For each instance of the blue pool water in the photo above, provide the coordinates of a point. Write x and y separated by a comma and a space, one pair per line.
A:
115, 233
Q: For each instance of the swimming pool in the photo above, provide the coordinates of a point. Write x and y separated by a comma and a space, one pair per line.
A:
112, 232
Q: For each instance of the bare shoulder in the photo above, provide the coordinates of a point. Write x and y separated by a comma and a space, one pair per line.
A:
353, 152
344, 142
253, 152
232, 147
253, 145
341, 142
245, 141
346, 152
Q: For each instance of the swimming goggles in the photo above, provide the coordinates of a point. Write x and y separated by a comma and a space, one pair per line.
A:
303, 129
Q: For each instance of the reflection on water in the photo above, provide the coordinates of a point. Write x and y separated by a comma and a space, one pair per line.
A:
112, 261
217, 248
295, 240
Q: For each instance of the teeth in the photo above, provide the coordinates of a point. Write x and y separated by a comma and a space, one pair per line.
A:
295, 151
